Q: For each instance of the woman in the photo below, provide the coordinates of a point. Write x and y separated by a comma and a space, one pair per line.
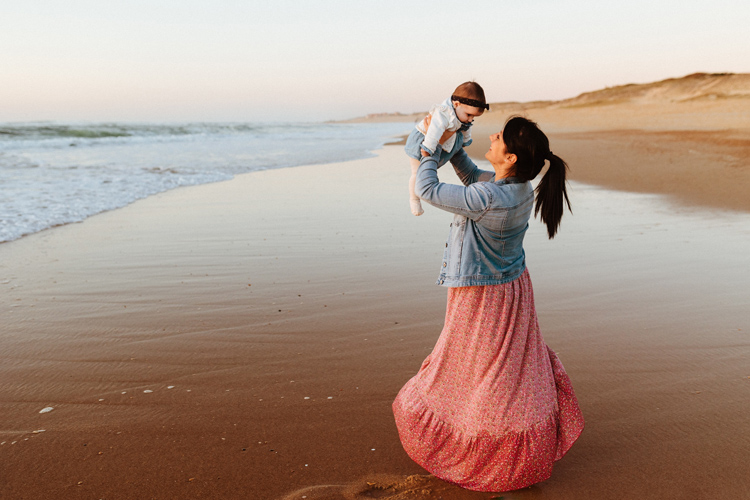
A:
491, 409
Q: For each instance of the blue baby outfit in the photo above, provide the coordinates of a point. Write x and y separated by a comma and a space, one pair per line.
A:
443, 118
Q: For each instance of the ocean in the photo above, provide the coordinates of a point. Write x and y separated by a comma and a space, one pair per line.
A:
59, 173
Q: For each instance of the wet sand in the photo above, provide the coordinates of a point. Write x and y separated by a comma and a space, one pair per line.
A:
245, 339
696, 153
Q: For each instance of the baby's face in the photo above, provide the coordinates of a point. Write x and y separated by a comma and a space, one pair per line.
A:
466, 113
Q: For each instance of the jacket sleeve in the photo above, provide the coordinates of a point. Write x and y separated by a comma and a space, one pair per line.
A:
467, 171
438, 125
470, 201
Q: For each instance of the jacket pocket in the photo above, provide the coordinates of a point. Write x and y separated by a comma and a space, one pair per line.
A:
455, 256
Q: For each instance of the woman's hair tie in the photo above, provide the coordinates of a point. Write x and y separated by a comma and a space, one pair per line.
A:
549, 155
470, 102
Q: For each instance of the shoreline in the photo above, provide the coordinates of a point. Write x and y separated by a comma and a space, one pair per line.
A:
79, 171
190, 328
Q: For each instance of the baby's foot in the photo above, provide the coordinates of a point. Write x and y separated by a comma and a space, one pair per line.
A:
416, 207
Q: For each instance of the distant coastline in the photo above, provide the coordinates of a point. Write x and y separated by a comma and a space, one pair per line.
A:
693, 88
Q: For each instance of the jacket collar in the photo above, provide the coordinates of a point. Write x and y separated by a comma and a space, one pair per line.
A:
509, 180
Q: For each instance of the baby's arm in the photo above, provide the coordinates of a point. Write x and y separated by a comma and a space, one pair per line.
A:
437, 124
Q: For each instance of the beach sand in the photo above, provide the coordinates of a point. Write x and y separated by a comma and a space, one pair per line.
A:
245, 339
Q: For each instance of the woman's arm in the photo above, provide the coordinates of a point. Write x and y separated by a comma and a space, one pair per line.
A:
469, 201
467, 171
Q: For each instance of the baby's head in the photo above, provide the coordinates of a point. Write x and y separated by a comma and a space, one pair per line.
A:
469, 102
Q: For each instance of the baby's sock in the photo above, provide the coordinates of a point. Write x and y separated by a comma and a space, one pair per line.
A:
414, 202
416, 207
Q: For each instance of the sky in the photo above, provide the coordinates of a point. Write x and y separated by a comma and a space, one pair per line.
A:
316, 60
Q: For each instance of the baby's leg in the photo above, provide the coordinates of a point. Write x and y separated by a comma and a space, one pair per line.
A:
414, 202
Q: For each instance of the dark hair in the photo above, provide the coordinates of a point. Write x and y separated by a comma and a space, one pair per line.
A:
472, 90
524, 139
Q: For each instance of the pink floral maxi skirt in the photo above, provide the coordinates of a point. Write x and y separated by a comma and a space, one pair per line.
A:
491, 409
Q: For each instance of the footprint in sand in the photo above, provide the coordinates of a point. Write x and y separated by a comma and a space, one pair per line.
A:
386, 487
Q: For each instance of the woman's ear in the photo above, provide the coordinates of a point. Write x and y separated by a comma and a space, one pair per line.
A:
511, 158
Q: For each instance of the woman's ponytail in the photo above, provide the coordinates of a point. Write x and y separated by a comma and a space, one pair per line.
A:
524, 139
551, 193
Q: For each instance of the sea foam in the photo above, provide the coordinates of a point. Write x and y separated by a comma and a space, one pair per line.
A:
53, 174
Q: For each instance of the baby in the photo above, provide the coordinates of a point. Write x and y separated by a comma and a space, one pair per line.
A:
456, 114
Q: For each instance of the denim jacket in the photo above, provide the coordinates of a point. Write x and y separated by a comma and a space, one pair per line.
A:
485, 243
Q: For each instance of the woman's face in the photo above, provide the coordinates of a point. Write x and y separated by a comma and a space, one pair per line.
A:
498, 154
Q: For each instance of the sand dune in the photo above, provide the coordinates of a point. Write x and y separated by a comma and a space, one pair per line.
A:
694, 87
688, 88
